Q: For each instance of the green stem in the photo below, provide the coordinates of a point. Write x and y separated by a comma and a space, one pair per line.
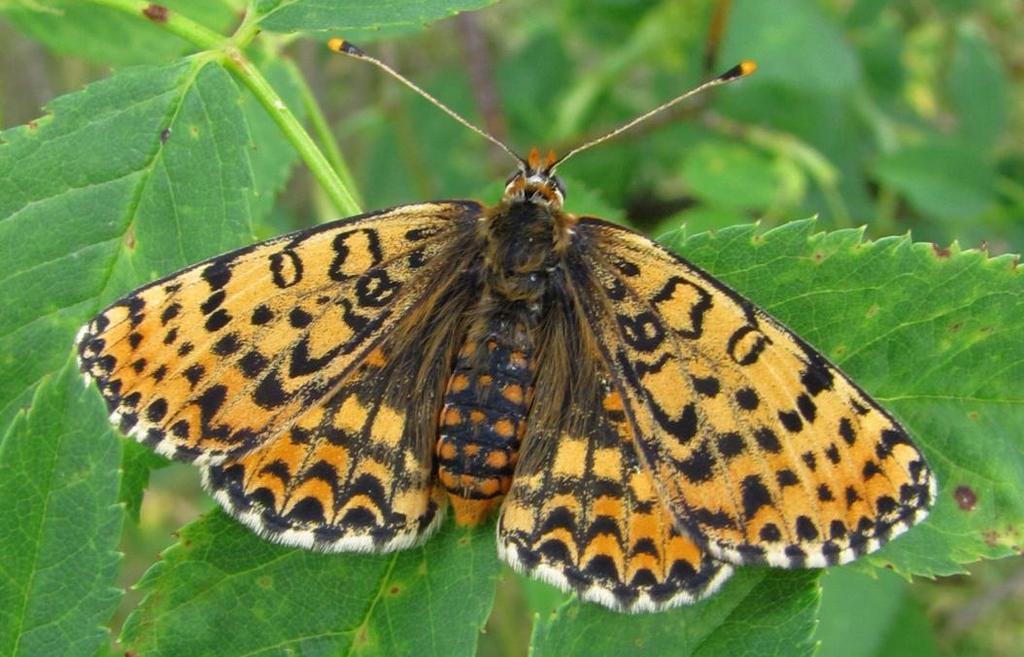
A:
323, 132
170, 20
342, 199
231, 55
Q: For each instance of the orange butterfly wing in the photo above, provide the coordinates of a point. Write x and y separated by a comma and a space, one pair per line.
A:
583, 512
587, 518
759, 445
267, 361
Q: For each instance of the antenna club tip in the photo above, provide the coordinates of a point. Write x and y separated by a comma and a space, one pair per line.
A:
743, 69
339, 45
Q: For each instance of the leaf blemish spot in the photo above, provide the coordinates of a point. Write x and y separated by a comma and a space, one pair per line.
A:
156, 13
165, 134
872, 311
819, 257
940, 251
129, 238
395, 590
264, 582
974, 415
193, 130
965, 498
32, 125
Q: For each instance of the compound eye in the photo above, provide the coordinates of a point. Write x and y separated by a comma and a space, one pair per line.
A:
559, 185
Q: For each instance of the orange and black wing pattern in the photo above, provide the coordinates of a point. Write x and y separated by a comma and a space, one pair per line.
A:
280, 368
583, 512
762, 449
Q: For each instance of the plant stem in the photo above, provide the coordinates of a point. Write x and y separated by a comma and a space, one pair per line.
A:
323, 132
170, 20
231, 55
342, 199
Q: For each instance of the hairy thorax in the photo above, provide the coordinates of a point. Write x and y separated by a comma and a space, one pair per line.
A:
523, 242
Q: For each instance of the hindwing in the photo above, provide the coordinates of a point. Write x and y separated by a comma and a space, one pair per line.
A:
583, 512
353, 472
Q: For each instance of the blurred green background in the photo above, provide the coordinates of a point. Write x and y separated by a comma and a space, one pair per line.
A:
898, 116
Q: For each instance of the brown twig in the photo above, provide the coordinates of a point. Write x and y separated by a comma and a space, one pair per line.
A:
480, 67
716, 32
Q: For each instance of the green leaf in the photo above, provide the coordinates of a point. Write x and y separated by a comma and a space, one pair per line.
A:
136, 464
871, 616
731, 175
805, 52
109, 36
759, 611
223, 591
340, 15
934, 335
61, 524
129, 179
978, 87
946, 180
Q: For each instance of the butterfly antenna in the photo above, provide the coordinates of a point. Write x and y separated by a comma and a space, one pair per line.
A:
347, 48
741, 70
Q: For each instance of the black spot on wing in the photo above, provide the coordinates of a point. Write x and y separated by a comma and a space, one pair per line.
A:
747, 399
261, 315
212, 302
210, 401
683, 428
755, 495
217, 274
270, 393
707, 386
170, 312
698, 467
217, 320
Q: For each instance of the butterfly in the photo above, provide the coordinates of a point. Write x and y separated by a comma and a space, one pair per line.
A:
638, 427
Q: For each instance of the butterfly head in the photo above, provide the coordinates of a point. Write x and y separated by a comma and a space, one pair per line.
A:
535, 181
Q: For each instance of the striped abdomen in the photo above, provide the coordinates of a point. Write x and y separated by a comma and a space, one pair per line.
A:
484, 418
